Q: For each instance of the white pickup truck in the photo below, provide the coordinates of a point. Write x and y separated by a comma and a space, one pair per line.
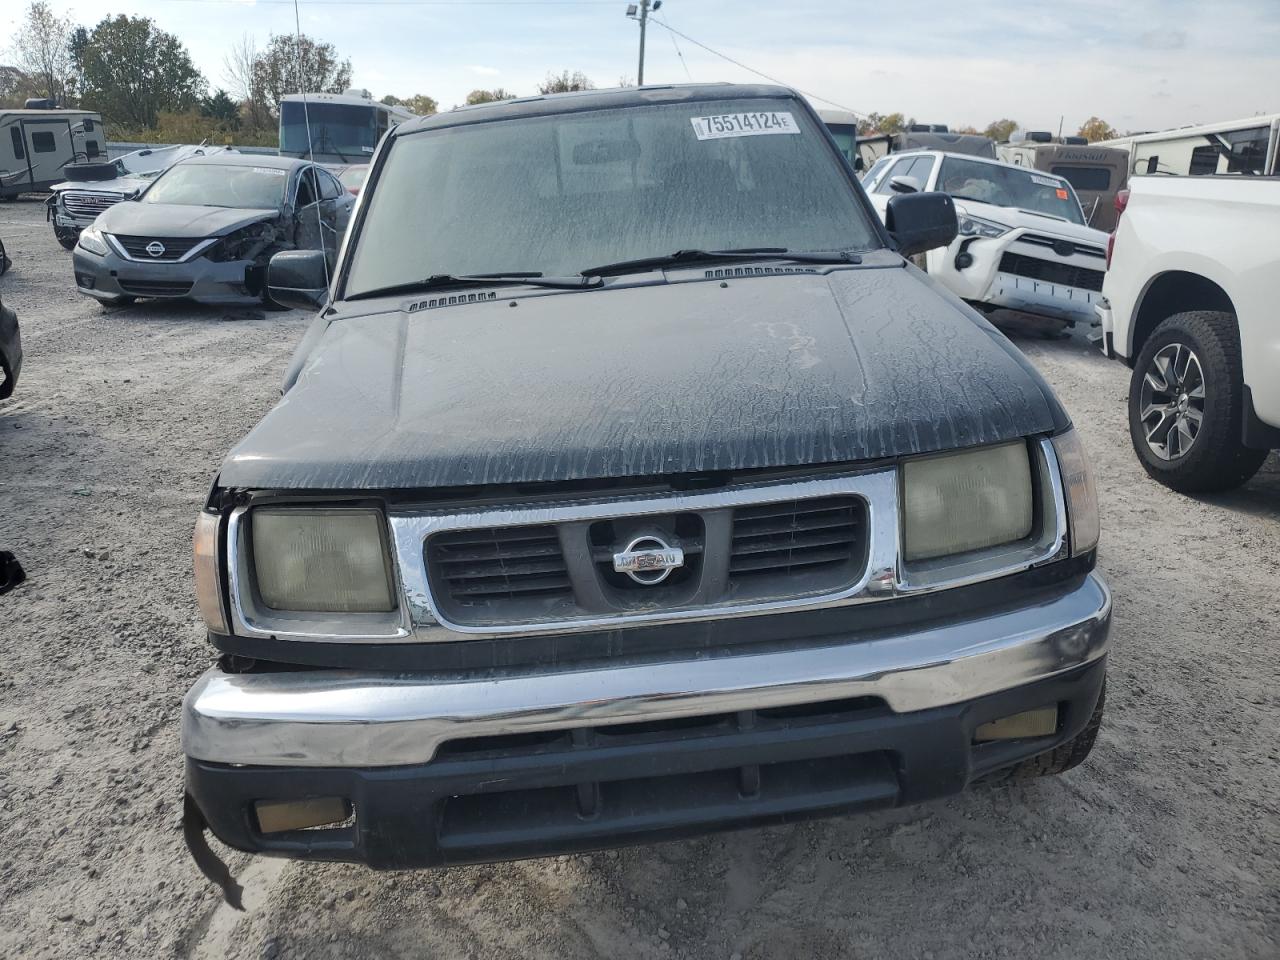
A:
1190, 303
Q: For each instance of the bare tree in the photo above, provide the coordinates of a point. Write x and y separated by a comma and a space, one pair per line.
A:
43, 51
239, 72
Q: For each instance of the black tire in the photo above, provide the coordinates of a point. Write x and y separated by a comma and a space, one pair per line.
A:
67, 236
1061, 758
92, 170
1216, 459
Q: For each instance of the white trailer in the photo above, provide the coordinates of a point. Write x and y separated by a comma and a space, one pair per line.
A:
1234, 146
36, 144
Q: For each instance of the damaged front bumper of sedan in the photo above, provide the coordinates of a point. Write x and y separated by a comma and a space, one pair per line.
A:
216, 270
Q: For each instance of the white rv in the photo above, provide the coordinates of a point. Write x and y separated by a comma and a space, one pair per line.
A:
36, 143
1237, 146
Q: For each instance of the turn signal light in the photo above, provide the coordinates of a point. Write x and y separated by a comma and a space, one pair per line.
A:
1033, 723
204, 548
277, 816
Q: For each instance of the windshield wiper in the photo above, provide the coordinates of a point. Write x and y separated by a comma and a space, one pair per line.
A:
440, 280
745, 253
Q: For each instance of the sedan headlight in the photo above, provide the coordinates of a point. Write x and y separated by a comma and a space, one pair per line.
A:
92, 239
977, 227
321, 560
1081, 495
966, 501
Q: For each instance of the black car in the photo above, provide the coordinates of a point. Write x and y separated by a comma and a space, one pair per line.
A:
206, 227
631, 484
10, 349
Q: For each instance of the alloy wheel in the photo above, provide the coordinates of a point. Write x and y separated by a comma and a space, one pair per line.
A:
1172, 401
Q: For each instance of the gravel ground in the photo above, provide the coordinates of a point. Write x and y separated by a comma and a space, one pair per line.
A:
1166, 843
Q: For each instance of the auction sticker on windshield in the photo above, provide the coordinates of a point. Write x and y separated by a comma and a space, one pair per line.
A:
743, 125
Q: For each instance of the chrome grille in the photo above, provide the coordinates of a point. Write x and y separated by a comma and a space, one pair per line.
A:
89, 203
503, 563
175, 248
564, 571
796, 535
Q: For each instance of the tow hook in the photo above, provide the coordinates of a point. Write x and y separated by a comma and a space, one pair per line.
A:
193, 828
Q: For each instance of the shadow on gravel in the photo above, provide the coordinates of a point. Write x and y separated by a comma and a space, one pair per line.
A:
1260, 497
170, 311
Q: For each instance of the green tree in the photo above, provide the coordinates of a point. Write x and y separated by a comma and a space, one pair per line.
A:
489, 96
221, 107
884, 123
565, 82
43, 52
133, 71
391, 101
1000, 130
299, 65
1095, 128
421, 104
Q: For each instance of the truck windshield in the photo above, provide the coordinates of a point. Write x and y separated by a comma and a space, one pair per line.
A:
562, 193
220, 185
1008, 186
340, 132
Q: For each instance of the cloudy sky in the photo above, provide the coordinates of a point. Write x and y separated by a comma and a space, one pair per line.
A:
1140, 64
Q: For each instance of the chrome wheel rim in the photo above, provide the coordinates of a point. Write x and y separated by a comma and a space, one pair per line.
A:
1171, 403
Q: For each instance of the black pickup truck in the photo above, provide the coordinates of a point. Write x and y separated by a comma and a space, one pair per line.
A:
631, 483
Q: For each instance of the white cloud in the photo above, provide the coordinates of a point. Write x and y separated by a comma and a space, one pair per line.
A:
484, 71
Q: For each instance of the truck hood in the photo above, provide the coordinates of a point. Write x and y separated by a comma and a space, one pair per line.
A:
121, 185
1033, 222
827, 367
176, 220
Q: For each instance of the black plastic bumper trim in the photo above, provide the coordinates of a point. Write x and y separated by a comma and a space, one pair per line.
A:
494, 807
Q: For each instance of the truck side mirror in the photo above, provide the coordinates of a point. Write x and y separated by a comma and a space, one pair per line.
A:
921, 221
298, 278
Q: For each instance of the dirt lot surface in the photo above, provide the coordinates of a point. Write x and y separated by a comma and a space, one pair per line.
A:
1166, 843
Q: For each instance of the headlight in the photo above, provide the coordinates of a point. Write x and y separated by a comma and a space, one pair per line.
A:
1081, 495
966, 501
91, 239
321, 560
977, 227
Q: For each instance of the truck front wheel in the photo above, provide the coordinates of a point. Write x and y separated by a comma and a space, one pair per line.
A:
1186, 405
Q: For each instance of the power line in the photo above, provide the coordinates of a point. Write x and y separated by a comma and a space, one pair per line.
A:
680, 54
759, 73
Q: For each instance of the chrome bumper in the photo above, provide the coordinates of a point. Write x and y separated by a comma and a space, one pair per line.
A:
330, 718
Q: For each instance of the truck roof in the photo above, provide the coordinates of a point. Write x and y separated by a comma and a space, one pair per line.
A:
580, 100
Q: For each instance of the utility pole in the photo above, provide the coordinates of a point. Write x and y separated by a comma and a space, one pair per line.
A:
644, 21
640, 11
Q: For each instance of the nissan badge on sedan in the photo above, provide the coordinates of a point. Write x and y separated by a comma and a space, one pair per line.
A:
629, 484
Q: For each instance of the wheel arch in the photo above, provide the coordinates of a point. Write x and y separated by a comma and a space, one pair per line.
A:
1170, 292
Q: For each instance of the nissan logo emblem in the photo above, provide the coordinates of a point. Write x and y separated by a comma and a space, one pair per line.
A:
648, 560
155, 248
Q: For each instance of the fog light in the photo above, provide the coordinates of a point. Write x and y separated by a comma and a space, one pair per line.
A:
277, 816
1034, 723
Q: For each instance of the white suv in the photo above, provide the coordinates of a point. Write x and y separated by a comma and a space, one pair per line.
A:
1023, 244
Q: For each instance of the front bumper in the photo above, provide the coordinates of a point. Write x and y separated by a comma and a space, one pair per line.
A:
983, 281
459, 768
110, 276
